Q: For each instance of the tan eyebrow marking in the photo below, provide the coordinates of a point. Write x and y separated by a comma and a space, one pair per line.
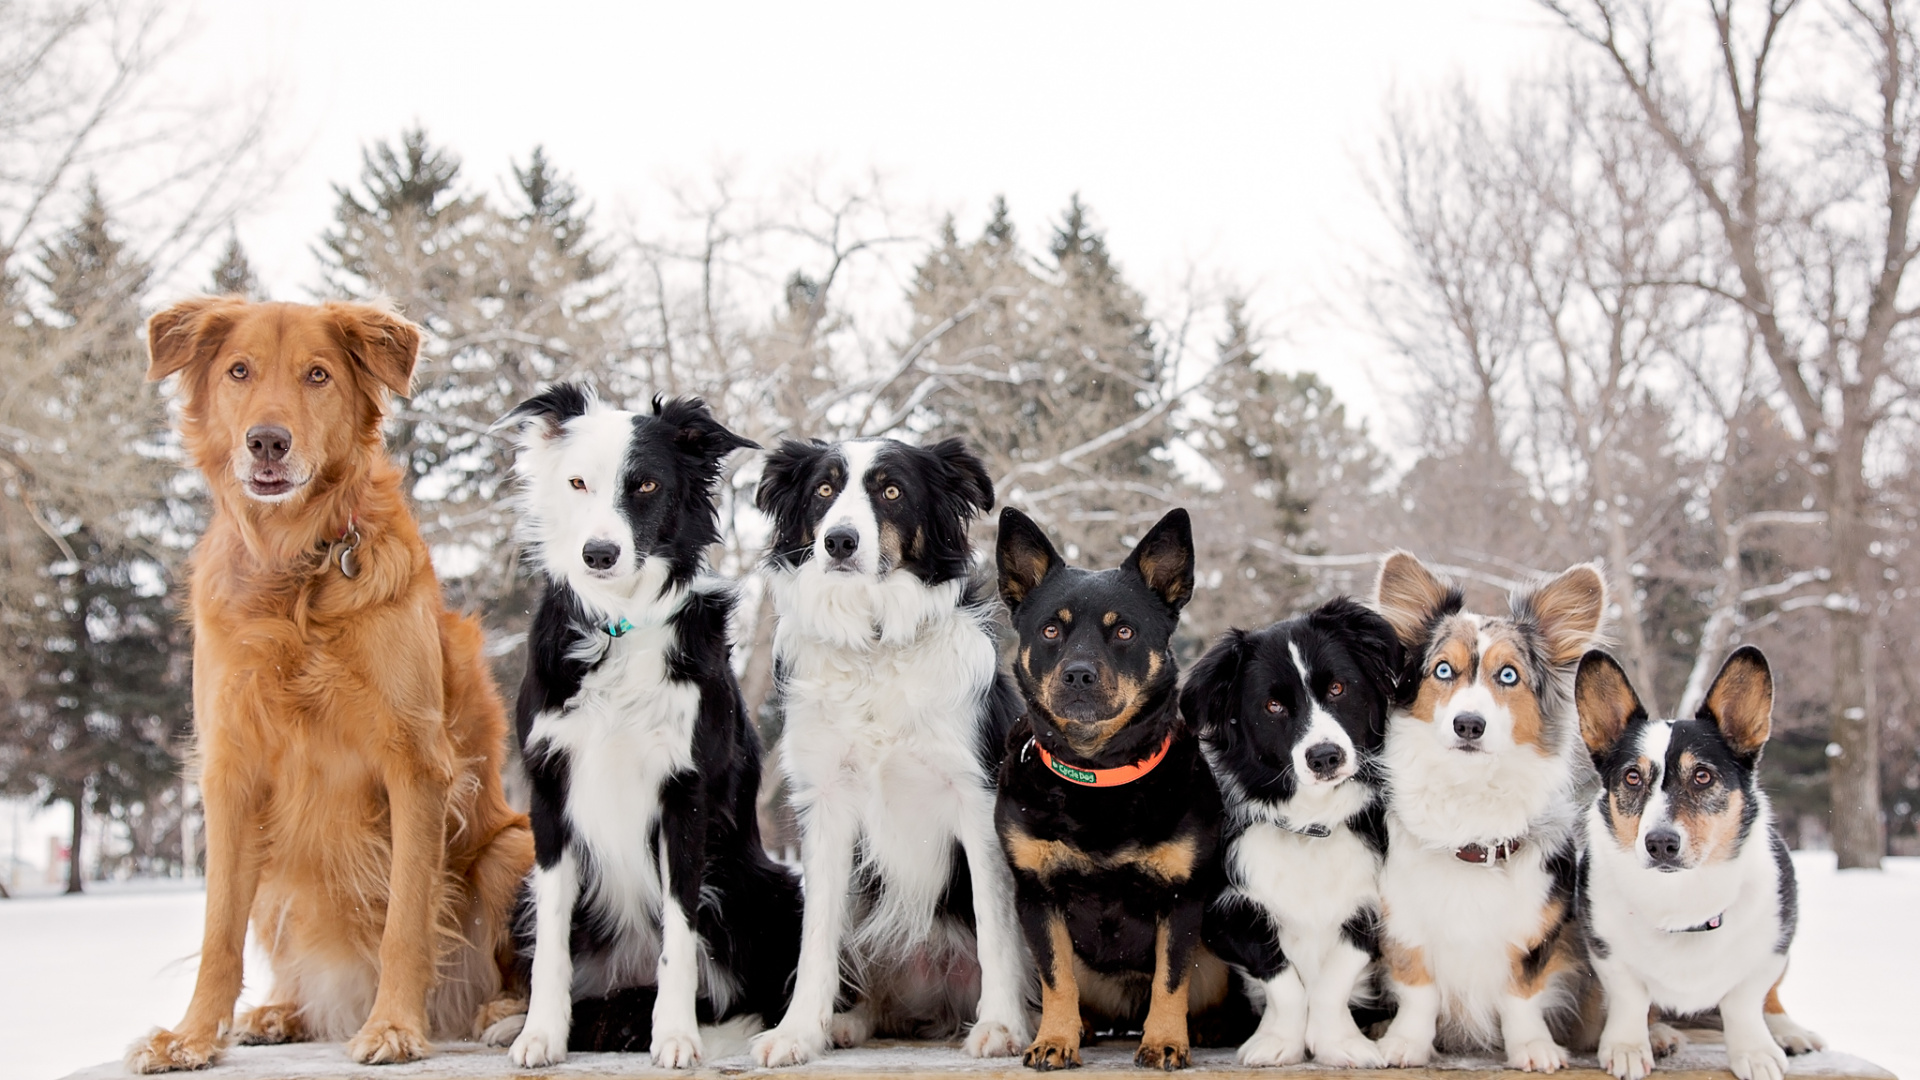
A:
1066, 615
1111, 618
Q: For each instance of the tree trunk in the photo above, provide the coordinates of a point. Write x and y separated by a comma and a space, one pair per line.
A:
1853, 762
79, 803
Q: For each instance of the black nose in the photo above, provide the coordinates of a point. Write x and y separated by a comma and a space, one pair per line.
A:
269, 442
1079, 675
842, 543
1325, 759
1664, 846
600, 554
1469, 726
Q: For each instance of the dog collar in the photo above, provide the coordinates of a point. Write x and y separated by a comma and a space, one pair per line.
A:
344, 550
618, 627
1313, 829
1487, 855
1710, 924
1125, 774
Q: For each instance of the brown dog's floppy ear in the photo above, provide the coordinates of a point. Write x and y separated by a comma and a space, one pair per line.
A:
1567, 611
1164, 558
1409, 597
1605, 701
1740, 703
383, 343
1025, 556
188, 331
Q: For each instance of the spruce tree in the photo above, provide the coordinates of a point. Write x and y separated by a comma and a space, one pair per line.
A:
233, 275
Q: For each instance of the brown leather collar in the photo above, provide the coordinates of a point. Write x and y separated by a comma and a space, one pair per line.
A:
1483, 855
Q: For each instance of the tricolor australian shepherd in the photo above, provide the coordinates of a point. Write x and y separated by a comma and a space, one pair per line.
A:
1107, 809
1293, 717
653, 902
895, 714
1483, 763
1687, 890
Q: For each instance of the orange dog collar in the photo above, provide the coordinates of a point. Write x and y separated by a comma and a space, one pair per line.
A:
1124, 774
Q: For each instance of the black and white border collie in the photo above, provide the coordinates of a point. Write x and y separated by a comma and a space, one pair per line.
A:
1687, 891
649, 869
1292, 719
896, 713
1483, 766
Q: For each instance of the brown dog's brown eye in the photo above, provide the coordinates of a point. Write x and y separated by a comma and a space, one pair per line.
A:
825, 491
1631, 778
1125, 633
317, 377
1703, 776
237, 371
1051, 631
892, 492
578, 484
1273, 706
648, 487
1336, 689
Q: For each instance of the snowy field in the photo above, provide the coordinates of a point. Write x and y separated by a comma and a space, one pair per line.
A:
80, 978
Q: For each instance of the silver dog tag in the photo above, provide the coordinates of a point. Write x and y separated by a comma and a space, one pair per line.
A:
349, 562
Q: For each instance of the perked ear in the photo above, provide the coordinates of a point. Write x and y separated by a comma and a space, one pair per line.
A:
1369, 638
696, 432
966, 473
1605, 701
1164, 558
1567, 611
1212, 688
189, 332
551, 407
384, 344
1740, 703
1025, 556
1410, 597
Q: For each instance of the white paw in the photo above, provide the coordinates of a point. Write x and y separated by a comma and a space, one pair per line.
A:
1793, 1038
538, 1045
849, 1029
503, 1031
782, 1047
1355, 1051
1627, 1060
678, 1050
1757, 1062
1402, 1052
1666, 1039
1537, 1055
1266, 1049
993, 1038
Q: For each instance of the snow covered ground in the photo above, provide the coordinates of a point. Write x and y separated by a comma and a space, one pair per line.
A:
81, 977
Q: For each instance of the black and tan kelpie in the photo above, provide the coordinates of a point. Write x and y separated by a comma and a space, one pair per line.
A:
1106, 807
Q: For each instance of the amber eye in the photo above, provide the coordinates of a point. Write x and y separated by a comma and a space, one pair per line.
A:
578, 484
1051, 631
318, 377
238, 372
1273, 706
648, 487
1702, 776
1336, 689
1631, 778
1124, 633
825, 491
891, 493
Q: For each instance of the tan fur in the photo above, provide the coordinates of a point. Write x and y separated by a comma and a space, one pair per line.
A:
349, 736
1773, 999
1569, 609
1124, 694
1502, 651
1626, 826
1057, 1045
1169, 861
1711, 837
1741, 703
1564, 956
1045, 858
1456, 648
1163, 1038
1407, 963
1407, 595
1605, 702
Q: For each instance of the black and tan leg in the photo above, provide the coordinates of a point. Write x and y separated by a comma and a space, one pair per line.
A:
1057, 1044
1163, 1038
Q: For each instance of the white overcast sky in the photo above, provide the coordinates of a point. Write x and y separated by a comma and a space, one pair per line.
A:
1219, 137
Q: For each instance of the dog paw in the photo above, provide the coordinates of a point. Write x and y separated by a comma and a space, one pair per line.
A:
1757, 1062
1049, 1053
269, 1025
1353, 1052
1162, 1054
1404, 1053
493, 1014
164, 1051
782, 1047
504, 1031
382, 1042
1537, 1055
1266, 1050
993, 1038
1791, 1037
680, 1050
1666, 1039
849, 1029
538, 1045
1627, 1060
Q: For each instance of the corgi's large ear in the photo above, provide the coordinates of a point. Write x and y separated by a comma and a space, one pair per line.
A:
1164, 558
1025, 556
1211, 691
190, 332
1605, 701
1411, 599
1566, 611
1740, 703
382, 343
548, 411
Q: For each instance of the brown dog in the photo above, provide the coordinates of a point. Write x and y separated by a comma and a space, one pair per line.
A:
349, 736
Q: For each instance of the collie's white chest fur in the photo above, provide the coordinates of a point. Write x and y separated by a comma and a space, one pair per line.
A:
1311, 886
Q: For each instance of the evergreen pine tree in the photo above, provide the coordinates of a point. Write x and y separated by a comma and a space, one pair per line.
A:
233, 275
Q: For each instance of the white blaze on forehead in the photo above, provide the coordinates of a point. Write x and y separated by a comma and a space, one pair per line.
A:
595, 449
853, 506
1322, 727
1654, 743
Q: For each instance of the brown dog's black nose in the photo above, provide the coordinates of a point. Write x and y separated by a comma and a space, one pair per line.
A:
269, 442
1079, 675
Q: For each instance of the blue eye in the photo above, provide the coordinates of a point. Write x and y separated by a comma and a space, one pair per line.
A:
1509, 676
1443, 670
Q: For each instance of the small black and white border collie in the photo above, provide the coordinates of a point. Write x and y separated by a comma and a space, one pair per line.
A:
896, 713
649, 869
1484, 764
1687, 891
1292, 719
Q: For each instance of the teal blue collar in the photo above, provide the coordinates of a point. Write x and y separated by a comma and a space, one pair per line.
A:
618, 627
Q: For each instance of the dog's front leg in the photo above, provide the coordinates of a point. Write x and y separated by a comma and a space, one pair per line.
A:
556, 888
1057, 1045
1626, 1048
1409, 1039
1001, 1027
234, 800
828, 833
1163, 1038
1331, 1033
682, 856
1752, 1053
396, 1031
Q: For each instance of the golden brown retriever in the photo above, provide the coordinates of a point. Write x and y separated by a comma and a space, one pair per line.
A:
349, 735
